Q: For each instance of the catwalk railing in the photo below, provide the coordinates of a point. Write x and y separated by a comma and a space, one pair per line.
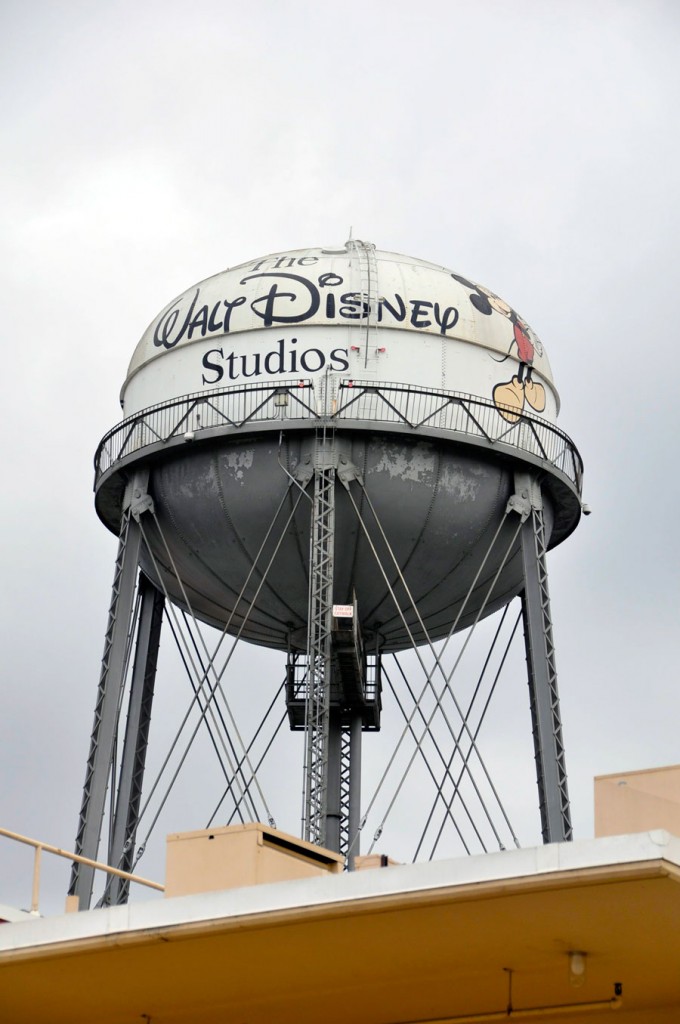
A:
351, 402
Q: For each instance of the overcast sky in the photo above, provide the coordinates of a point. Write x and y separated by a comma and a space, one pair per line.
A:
531, 146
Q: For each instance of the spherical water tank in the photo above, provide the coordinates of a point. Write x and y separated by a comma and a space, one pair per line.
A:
431, 391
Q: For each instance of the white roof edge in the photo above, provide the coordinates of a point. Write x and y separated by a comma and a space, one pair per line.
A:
10, 914
611, 851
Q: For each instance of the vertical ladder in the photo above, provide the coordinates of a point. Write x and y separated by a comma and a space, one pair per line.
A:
369, 298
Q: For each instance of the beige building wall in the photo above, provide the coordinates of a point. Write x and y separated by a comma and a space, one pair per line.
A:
238, 855
638, 801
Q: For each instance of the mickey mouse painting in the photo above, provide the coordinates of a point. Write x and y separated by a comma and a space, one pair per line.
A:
510, 396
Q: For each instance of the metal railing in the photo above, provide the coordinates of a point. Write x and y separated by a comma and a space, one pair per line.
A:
39, 846
459, 413
347, 401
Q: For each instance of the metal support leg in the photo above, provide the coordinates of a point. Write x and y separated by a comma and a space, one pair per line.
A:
317, 710
111, 681
542, 674
354, 789
133, 760
334, 809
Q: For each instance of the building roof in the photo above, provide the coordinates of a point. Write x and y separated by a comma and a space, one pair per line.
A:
448, 940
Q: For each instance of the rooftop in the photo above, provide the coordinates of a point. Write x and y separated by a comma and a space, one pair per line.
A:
455, 940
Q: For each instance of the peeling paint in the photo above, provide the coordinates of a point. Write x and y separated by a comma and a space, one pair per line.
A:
459, 484
238, 460
418, 465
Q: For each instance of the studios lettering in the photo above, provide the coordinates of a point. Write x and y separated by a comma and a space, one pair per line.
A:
283, 357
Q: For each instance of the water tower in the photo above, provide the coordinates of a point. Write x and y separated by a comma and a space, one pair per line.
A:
335, 453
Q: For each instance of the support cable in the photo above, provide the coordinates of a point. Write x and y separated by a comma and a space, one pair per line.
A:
211, 666
204, 677
402, 580
438, 656
478, 728
437, 660
428, 674
172, 617
456, 748
251, 571
211, 691
276, 732
216, 710
447, 775
226, 769
440, 795
429, 720
257, 732
415, 648
438, 663
243, 588
466, 727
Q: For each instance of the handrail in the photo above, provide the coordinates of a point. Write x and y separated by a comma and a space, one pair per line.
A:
414, 408
58, 852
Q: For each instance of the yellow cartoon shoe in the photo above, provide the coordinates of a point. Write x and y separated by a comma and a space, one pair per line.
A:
535, 395
509, 399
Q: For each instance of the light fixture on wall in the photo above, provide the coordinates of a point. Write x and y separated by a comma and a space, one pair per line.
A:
577, 968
